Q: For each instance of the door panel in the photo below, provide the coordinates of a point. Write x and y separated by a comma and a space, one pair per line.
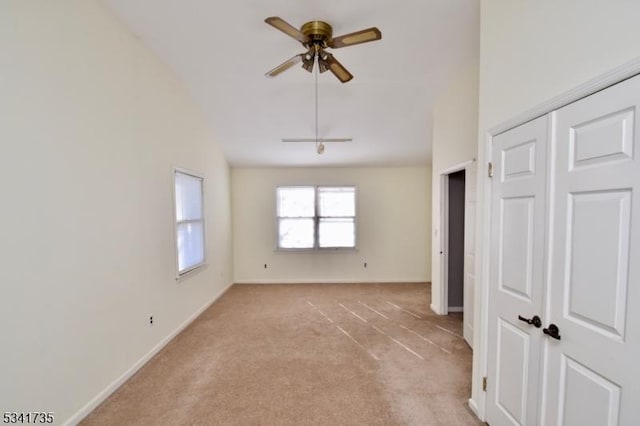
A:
592, 375
519, 161
516, 247
586, 147
604, 404
598, 228
516, 272
512, 372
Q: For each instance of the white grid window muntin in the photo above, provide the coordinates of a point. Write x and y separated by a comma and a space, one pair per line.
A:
189, 221
316, 217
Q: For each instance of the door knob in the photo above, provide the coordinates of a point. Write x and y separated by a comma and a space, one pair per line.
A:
552, 331
535, 321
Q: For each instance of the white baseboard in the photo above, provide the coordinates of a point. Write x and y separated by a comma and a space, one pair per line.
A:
455, 309
104, 394
435, 309
474, 408
330, 281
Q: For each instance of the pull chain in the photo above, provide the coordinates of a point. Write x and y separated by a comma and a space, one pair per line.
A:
319, 144
316, 66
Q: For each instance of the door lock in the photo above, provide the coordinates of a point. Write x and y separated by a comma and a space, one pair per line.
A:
552, 331
535, 321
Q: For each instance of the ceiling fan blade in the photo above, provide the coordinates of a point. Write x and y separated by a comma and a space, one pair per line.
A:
285, 66
362, 36
286, 28
336, 68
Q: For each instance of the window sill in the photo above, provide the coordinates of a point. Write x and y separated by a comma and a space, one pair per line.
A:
193, 271
316, 250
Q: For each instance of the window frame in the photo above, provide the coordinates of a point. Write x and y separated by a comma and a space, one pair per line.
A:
176, 224
316, 220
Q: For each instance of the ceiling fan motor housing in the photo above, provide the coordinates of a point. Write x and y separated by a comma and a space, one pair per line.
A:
318, 32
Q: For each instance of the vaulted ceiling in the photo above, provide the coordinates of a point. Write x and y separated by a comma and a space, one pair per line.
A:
222, 48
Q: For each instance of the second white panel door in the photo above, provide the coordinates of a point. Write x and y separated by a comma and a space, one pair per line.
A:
592, 373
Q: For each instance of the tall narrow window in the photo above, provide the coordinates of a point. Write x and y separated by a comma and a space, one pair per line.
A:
316, 217
189, 214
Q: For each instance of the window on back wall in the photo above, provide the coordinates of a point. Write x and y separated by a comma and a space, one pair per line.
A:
189, 216
312, 217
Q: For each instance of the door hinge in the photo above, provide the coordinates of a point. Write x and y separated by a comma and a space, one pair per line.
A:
490, 169
484, 384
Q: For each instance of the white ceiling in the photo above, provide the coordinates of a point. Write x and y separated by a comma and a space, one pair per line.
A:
222, 48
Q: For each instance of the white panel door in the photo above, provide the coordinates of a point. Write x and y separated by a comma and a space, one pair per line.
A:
591, 374
471, 177
518, 207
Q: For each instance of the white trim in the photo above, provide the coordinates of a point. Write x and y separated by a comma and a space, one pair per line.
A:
444, 235
457, 167
480, 362
473, 407
333, 281
444, 245
616, 75
481, 303
106, 392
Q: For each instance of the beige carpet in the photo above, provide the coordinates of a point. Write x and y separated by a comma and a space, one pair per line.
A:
343, 354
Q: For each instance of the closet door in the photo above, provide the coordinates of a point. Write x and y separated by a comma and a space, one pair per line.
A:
518, 207
591, 374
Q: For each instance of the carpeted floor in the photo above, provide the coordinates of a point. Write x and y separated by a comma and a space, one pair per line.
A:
343, 354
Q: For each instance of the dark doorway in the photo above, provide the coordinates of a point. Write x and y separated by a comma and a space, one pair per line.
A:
455, 267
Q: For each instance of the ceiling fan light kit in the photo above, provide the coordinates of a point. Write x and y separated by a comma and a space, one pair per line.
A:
322, 140
316, 36
318, 141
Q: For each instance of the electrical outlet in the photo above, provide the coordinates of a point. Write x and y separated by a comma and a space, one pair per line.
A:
265, 266
365, 264
151, 320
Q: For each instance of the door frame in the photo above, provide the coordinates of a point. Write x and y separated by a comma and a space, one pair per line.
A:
477, 402
444, 233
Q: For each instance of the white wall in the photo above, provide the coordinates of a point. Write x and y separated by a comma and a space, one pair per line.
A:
393, 226
455, 136
90, 126
531, 52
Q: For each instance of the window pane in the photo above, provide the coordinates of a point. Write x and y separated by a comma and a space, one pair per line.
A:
295, 233
296, 202
190, 245
337, 201
337, 233
188, 197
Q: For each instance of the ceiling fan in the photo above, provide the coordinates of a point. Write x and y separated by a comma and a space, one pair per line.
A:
316, 36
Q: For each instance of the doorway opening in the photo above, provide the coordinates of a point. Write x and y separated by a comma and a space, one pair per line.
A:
457, 225
455, 243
